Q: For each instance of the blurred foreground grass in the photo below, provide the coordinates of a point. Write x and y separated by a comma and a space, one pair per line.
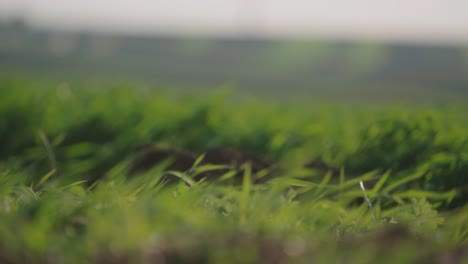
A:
412, 160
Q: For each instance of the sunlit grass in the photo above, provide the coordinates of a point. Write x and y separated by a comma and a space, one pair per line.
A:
66, 197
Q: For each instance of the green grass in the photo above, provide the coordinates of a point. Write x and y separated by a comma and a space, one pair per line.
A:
412, 160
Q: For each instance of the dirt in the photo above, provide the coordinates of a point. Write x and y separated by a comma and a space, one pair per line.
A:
320, 165
150, 155
456, 255
236, 158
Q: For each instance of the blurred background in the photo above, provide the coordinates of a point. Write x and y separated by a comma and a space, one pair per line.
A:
334, 49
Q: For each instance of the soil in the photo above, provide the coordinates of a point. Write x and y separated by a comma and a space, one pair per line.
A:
320, 165
149, 155
236, 158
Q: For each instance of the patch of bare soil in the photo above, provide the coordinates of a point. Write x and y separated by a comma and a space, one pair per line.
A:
251, 248
456, 255
236, 158
320, 165
150, 155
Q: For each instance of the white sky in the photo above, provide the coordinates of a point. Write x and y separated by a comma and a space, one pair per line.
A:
406, 20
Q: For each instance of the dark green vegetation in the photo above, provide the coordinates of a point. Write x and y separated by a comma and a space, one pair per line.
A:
66, 194
325, 69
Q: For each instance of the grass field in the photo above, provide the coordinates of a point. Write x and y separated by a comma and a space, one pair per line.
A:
127, 174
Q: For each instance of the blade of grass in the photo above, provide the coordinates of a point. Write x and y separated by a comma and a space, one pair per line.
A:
50, 152
198, 160
379, 184
405, 180
45, 178
366, 198
244, 196
183, 177
73, 184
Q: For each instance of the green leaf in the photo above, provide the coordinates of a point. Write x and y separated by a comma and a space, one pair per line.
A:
208, 167
198, 160
184, 177
379, 184
45, 178
403, 181
245, 194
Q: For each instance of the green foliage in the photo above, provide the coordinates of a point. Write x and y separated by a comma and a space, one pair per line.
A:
411, 161
394, 143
